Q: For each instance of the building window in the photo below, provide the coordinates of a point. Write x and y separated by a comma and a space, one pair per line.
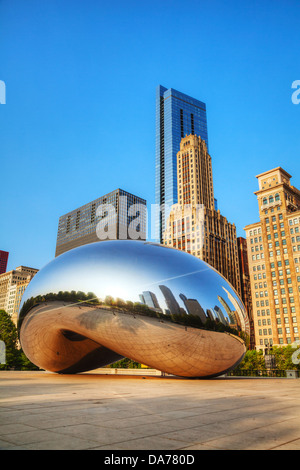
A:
68, 224
77, 220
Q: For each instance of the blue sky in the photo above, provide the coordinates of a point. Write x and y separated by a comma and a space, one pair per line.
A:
79, 118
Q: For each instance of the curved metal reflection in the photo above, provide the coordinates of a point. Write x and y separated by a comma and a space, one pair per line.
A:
159, 306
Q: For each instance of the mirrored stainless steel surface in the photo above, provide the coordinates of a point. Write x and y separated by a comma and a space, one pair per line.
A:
157, 305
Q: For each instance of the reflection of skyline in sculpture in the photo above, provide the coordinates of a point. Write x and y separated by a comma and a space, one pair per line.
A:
230, 319
230, 313
171, 302
149, 298
225, 305
95, 302
220, 315
233, 317
241, 317
210, 314
193, 307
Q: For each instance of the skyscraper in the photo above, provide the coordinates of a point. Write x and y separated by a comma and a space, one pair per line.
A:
117, 215
177, 115
274, 260
3, 261
246, 285
12, 286
194, 225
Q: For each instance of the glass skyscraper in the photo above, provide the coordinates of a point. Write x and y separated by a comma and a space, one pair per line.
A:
177, 115
117, 215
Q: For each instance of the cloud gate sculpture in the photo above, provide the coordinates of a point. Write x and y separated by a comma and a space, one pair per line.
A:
162, 307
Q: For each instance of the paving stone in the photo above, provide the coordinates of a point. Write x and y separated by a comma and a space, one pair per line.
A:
44, 411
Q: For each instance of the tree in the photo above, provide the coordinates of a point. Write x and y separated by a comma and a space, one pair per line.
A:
15, 357
283, 357
9, 336
253, 360
126, 363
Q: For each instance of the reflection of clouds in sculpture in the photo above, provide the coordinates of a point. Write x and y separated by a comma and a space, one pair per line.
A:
148, 286
161, 281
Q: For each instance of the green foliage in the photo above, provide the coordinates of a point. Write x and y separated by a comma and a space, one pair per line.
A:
283, 358
254, 360
126, 364
8, 331
15, 358
8, 334
64, 296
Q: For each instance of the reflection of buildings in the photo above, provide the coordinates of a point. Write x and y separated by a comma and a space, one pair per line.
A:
3, 261
274, 260
212, 239
220, 315
193, 307
12, 286
171, 302
216, 315
117, 215
233, 317
239, 316
211, 315
149, 298
177, 115
246, 285
225, 305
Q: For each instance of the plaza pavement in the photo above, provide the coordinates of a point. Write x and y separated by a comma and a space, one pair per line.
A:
41, 411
